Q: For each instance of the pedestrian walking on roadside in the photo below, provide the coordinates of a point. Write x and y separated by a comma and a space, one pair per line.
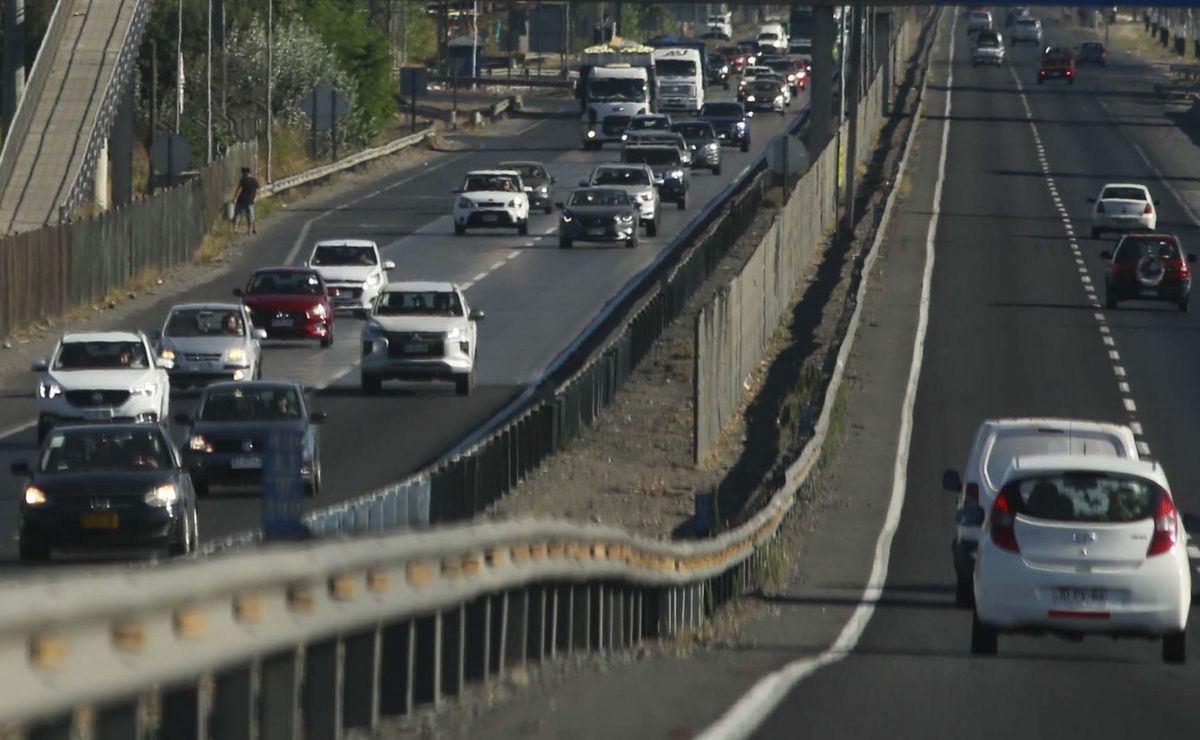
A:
243, 201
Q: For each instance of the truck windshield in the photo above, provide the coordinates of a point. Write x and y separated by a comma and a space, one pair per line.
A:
675, 68
624, 89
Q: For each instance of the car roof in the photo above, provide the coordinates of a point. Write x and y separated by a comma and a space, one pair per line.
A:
1017, 422
429, 286
208, 306
493, 172
345, 243
255, 384
1138, 185
286, 268
1027, 464
113, 426
520, 163
102, 336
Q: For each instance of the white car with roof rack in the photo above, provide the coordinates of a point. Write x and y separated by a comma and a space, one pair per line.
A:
491, 199
997, 443
353, 270
102, 377
420, 331
1083, 544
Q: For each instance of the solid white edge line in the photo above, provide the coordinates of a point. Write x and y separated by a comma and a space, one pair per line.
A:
749, 711
18, 429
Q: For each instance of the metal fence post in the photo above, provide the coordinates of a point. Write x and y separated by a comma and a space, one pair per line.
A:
395, 676
323, 663
280, 696
234, 706
476, 640
517, 643
537, 624
183, 713
454, 644
597, 609
581, 622
362, 671
121, 721
427, 656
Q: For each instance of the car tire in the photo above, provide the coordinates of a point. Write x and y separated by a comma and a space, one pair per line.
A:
746, 144
371, 385
548, 209
682, 202
1110, 302
631, 242
964, 592
258, 369
716, 170
652, 227
523, 228
1174, 648
459, 229
33, 553
463, 385
1070, 80
564, 242
1183, 305
984, 640
327, 341
200, 486
187, 539
1040, 79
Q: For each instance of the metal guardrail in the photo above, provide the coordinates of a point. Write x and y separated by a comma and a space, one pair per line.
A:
354, 160
507, 81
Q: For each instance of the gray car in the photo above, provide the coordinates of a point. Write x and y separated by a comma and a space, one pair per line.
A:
702, 139
209, 342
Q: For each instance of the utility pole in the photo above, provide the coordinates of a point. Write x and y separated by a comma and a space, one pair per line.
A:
179, 68
270, 79
852, 120
14, 61
208, 129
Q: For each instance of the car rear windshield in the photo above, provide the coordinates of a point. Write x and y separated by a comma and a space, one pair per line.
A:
250, 403
1133, 250
329, 255
1084, 497
285, 283
621, 176
90, 449
419, 303
584, 198
1010, 444
205, 322
101, 356
651, 156
1123, 194
722, 109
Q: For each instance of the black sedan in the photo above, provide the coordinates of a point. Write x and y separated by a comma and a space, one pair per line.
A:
251, 434
598, 215
730, 121
106, 487
538, 183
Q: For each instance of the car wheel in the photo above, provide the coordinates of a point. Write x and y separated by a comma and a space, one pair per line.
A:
964, 591
1040, 80
1070, 80
652, 227
463, 385
564, 242
631, 242
548, 209
1174, 648
200, 486
984, 640
327, 341
1110, 302
459, 229
1183, 305
371, 384
682, 203
746, 144
258, 369
716, 170
43, 429
33, 553
523, 227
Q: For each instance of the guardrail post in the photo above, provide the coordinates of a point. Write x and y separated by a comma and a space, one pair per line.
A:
183, 715
61, 728
581, 618
475, 647
395, 675
361, 695
280, 696
323, 662
518, 628
234, 704
428, 654
597, 611
537, 627
555, 591
120, 722
454, 642
616, 618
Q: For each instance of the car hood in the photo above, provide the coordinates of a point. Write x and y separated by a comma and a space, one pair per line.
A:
346, 273
202, 345
102, 482
599, 211
631, 189
246, 429
282, 302
482, 195
102, 380
430, 324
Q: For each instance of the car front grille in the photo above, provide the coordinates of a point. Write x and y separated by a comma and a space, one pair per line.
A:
202, 357
263, 319
403, 344
85, 399
615, 124
237, 445
347, 290
599, 222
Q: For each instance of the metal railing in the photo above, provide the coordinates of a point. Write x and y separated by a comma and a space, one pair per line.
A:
354, 160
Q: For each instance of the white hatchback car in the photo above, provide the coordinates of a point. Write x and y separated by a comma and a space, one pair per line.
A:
491, 199
1123, 207
102, 377
353, 272
1079, 544
997, 443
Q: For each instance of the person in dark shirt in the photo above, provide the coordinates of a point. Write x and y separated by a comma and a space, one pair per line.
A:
243, 201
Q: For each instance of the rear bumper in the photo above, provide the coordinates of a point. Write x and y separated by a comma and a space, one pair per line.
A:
1133, 222
1130, 292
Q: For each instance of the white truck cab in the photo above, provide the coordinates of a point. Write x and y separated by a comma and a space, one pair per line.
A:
614, 95
680, 76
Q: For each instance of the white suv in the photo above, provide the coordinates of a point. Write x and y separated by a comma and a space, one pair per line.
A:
997, 443
352, 270
420, 331
491, 199
102, 377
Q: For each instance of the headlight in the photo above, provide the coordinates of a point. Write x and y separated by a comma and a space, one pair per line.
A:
591, 134
627, 218
373, 279
724, 69
624, 137
199, 444
455, 333
35, 496
750, 98
236, 354
49, 389
740, 125
319, 311
512, 203
712, 146
675, 174
466, 203
167, 354
566, 217
544, 189
645, 197
791, 78
778, 98
163, 496
148, 388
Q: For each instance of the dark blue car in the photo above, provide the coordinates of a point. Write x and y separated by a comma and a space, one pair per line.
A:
730, 121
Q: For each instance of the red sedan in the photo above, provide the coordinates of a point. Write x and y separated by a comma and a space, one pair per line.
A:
289, 303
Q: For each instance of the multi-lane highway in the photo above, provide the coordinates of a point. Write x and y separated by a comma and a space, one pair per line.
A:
537, 299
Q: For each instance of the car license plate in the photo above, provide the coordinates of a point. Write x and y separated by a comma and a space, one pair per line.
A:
1076, 597
100, 521
1148, 292
281, 322
415, 348
94, 414
246, 462
491, 218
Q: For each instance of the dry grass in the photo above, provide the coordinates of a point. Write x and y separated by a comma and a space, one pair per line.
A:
1133, 38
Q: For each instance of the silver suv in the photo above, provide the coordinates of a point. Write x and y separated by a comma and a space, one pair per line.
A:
637, 180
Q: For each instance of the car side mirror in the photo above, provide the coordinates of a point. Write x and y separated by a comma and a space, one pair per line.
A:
1091, 200
40, 366
183, 419
1106, 255
553, 180
317, 417
476, 315
1191, 522
238, 292
259, 333
952, 481
20, 467
970, 516
164, 364
389, 265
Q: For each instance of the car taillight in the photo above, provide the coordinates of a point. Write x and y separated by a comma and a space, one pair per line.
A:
1176, 266
1149, 209
1100, 207
972, 494
1166, 529
1004, 524
1068, 73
